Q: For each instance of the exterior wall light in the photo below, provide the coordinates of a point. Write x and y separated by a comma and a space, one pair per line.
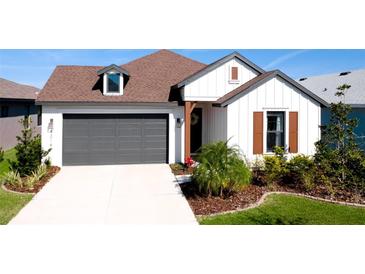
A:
179, 122
50, 125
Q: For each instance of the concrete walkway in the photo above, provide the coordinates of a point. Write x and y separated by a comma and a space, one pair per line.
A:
125, 194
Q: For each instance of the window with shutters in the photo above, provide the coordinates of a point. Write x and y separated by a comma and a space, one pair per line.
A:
275, 130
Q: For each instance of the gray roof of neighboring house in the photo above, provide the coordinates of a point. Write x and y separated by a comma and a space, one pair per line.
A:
12, 90
325, 86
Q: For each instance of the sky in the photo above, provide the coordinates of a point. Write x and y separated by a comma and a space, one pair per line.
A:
33, 67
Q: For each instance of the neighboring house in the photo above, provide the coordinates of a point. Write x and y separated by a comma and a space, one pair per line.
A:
16, 102
325, 87
162, 107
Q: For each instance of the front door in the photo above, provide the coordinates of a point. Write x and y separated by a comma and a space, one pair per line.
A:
196, 129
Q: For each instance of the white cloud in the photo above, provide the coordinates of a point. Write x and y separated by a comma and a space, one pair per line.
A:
285, 58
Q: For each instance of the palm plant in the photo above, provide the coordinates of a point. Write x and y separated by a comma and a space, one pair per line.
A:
221, 170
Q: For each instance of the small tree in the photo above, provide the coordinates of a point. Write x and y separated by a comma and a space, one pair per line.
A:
337, 149
29, 151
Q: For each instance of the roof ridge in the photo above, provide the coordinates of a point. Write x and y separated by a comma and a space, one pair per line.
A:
80, 66
19, 84
160, 51
332, 73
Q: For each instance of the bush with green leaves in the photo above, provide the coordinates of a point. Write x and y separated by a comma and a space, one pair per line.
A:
12, 178
29, 152
300, 170
221, 170
275, 166
339, 159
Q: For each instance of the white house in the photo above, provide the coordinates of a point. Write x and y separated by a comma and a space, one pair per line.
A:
162, 107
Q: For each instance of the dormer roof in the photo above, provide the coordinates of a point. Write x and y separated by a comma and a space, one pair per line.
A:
113, 67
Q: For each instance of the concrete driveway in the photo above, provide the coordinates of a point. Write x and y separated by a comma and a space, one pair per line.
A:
125, 194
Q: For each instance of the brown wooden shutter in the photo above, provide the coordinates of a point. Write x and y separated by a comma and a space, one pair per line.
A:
234, 73
258, 132
293, 132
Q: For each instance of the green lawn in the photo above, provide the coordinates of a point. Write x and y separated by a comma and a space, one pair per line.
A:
10, 203
292, 210
4, 165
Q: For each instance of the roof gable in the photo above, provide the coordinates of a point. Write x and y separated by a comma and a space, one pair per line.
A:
113, 67
260, 80
216, 64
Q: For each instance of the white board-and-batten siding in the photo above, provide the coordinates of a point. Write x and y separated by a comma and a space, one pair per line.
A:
274, 95
217, 83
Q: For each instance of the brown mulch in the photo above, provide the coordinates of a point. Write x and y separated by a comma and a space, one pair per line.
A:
179, 170
52, 171
204, 205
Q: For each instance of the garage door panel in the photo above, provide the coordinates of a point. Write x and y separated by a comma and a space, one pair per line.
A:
75, 158
72, 144
102, 143
154, 132
129, 132
154, 157
129, 157
154, 145
129, 144
114, 139
106, 157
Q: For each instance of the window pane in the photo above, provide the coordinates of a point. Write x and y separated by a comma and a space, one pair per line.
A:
271, 141
113, 82
271, 123
4, 111
275, 130
39, 115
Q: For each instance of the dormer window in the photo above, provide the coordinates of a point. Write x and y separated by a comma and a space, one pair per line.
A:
113, 82
113, 78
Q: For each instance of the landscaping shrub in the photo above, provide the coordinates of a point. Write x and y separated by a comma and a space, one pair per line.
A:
221, 170
29, 151
258, 172
12, 178
47, 162
340, 161
300, 171
275, 166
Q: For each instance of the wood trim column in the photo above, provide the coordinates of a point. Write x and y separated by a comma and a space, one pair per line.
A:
188, 108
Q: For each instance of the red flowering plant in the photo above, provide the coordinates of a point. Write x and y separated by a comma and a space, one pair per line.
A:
189, 163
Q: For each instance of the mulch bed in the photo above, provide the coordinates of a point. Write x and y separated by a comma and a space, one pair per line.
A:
179, 170
52, 171
202, 205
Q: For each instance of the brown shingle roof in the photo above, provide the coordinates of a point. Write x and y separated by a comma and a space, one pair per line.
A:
259, 80
12, 90
244, 87
151, 78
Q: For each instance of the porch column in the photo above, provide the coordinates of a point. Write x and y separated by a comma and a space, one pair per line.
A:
188, 108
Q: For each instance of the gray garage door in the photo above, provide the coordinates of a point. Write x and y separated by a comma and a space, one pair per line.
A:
104, 139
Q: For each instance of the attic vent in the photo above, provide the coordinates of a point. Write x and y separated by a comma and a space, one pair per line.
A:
302, 79
344, 73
